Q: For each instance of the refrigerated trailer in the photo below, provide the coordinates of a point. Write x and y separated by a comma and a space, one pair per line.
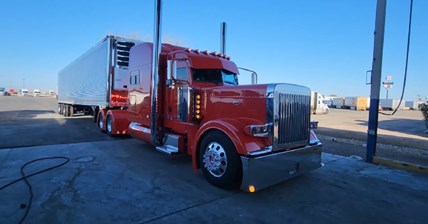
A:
96, 82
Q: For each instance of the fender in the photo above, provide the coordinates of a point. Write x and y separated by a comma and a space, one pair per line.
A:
234, 129
120, 122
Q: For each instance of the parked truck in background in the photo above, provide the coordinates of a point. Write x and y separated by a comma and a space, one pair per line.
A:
36, 92
318, 106
96, 83
3, 91
24, 92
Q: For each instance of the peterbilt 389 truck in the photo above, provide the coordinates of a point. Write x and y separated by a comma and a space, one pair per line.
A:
248, 135
188, 101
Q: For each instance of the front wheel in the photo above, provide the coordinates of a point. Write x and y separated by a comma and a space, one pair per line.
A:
219, 161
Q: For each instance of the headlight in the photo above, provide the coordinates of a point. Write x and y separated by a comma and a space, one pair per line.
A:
261, 130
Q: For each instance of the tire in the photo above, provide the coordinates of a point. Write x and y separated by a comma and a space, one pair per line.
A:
95, 113
71, 111
66, 110
109, 125
220, 163
100, 122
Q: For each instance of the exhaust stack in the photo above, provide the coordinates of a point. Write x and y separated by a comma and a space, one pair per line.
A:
223, 38
157, 49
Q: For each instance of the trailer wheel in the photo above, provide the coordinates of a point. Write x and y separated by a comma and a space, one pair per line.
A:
100, 120
61, 109
219, 161
71, 110
66, 110
109, 125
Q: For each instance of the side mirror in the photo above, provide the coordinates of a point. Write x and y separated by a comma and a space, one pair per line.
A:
171, 73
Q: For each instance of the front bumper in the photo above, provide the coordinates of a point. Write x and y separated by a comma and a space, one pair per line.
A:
264, 171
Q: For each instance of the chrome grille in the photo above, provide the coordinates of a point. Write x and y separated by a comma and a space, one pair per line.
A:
288, 109
293, 119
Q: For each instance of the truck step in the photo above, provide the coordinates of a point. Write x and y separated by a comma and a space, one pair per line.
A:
167, 149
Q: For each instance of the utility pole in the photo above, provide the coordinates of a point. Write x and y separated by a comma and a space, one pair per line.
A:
375, 80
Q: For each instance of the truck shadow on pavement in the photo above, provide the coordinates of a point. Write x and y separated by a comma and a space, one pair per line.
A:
45, 127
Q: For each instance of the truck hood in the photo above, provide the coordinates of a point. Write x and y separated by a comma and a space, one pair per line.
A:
246, 102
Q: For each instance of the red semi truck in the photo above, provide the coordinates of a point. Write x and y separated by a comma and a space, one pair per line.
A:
248, 135
189, 101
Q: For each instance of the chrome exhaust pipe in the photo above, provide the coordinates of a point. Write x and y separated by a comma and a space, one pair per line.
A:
223, 38
157, 49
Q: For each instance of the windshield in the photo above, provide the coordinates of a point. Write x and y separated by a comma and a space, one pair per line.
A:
217, 76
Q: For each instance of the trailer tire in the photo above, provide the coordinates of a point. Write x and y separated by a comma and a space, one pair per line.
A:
71, 110
109, 125
66, 110
220, 163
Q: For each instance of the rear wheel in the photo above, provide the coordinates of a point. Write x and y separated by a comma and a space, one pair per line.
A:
109, 125
100, 120
219, 161
95, 113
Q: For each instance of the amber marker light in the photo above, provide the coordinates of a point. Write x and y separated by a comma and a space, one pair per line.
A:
251, 188
198, 112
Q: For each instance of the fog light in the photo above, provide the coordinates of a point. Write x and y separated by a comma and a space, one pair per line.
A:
251, 188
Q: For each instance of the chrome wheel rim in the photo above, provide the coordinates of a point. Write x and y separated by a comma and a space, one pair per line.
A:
215, 159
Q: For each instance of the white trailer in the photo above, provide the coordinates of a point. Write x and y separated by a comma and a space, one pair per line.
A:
338, 102
97, 79
413, 105
356, 103
391, 104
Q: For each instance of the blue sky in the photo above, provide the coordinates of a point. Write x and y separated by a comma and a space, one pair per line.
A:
326, 45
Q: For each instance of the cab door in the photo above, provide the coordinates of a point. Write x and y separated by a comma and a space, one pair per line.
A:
179, 96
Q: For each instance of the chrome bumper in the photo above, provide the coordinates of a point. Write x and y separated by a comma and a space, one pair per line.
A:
263, 171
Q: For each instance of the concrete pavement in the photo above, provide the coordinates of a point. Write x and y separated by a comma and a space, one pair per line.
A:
126, 181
